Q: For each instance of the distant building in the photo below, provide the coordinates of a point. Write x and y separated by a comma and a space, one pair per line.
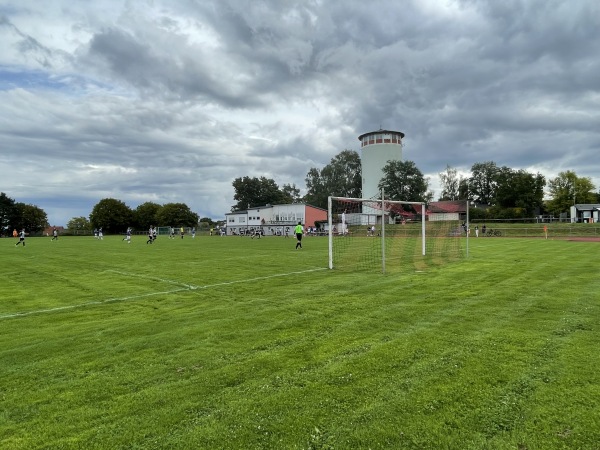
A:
273, 219
447, 210
587, 213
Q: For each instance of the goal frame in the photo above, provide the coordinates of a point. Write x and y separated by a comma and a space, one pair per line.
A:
382, 214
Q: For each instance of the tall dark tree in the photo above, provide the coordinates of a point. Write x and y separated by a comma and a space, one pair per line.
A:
30, 217
253, 192
519, 189
112, 215
342, 177
292, 192
482, 183
7, 213
463, 190
450, 182
316, 190
146, 215
402, 180
177, 215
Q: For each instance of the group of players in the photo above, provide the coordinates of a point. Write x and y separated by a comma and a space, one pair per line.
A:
21, 236
153, 232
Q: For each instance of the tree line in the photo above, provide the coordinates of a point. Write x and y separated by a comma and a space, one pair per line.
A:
501, 192
114, 216
110, 214
509, 193
17, 216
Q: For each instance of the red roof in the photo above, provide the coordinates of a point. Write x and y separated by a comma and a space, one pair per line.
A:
459, 206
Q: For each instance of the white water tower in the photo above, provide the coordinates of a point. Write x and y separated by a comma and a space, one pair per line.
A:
377, 148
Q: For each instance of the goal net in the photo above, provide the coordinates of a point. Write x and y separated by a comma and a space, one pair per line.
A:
176, 231
393, 236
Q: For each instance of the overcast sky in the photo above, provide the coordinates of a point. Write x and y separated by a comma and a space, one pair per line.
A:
170, 101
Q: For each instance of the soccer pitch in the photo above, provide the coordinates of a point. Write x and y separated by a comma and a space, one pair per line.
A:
239, 343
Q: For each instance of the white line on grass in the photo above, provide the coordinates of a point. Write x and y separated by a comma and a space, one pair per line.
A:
99, 302
226, 283
145, 277
151, 294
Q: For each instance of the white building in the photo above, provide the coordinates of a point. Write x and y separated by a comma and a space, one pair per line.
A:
274, 219
586, 213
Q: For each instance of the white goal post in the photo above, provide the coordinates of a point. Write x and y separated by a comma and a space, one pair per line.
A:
368, 218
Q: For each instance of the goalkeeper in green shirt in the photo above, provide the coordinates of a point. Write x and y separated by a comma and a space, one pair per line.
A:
299, 230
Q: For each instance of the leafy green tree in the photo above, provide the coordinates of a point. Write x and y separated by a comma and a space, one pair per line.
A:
206, 223
30, 217
568, 189
463, 190
253, 192
7, 213
402, 180
584, 190
450, 182
79, 224
146, 215
477, 214
519, 189
316, 190
112, 215
483, 182
342, 177
292, 192
177, 215
497, 212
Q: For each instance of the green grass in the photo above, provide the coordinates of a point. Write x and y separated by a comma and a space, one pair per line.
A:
233, 343
556, 230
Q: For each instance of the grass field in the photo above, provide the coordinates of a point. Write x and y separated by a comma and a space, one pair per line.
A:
234, 343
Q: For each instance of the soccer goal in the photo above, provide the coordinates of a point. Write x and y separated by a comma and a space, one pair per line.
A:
176, 231
391, 236
163, 231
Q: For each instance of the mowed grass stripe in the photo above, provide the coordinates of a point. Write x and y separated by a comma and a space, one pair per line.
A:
94, 272
152, 294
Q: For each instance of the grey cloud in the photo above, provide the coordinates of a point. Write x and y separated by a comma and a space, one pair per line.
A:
177, 101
